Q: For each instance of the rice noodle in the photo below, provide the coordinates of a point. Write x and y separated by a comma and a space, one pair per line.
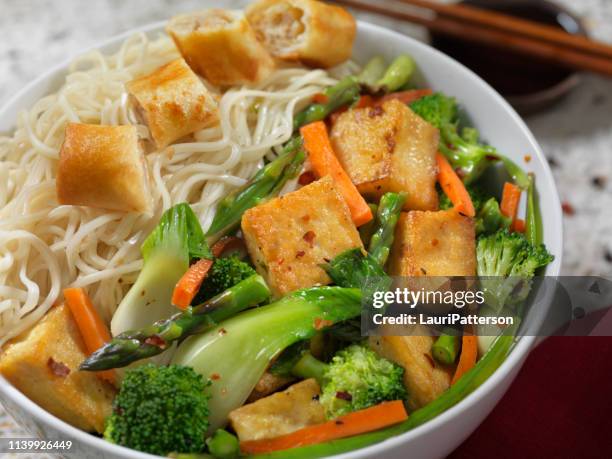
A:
45, 247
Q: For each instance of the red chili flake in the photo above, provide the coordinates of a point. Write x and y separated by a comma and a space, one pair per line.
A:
300, 254
424, 271
434, 242
58, 368
527, 158
568, 209
319, 323
306, 178
215, 376
280, 261
342, 395
309, 238
222, 331
306, 218
157, 341
339, 422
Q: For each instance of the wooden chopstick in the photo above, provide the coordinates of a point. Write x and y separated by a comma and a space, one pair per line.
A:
507, 23
478, 33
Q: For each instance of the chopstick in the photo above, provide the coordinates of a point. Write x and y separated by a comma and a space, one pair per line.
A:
515, 25
462, 22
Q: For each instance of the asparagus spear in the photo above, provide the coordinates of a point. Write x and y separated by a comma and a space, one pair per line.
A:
372, 72
386, 219
446, 349
396, 76
264, 185
135, 345
533, 225
343, 93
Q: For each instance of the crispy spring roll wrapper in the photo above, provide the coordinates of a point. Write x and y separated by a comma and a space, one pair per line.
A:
309, 31
173, 102
103, 167
221, 46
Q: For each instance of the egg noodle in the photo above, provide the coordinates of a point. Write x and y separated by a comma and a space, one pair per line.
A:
45, 247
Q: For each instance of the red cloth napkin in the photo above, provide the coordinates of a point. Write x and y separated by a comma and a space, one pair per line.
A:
560, 406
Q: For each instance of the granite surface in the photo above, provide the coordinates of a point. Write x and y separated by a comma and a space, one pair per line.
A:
576, 135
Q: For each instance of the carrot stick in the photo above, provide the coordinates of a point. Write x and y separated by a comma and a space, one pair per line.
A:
453, 187
93, 330
511, 197
227, 243
358, 422
518, 225
324, 162
467, 359
189, 285
407, 97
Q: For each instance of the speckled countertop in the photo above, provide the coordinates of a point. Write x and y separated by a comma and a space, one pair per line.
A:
576, 135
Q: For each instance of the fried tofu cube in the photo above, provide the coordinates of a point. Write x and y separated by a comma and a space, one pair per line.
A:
389, 148
301, 30
103, 167
424, 379
439, 243
221, 46
43, 364
280, 413
289, 237
173, 102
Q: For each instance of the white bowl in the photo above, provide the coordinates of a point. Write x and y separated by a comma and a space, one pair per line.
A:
498, 123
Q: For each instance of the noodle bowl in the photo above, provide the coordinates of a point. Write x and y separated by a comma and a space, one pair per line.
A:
45, 247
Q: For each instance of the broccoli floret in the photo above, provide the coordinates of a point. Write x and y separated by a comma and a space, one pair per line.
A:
462, 148
356, 378
507, 260
160, 409
436, 109
225, 273
489, 218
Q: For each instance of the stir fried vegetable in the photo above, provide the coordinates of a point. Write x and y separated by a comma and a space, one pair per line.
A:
387, 216
224, 274
263, 186
507, 260
470, 381
343, 93
135, 345
160, 409
254, 337
324, 162
223, 445
166, 252
356, 378
367, 420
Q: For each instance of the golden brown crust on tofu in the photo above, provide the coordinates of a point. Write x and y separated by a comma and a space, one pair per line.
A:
389, 148
289, 237
268, 384
302, 30
221, 46
173, 102
280, 413
103, 167
439, 243
424, 379
43, 364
